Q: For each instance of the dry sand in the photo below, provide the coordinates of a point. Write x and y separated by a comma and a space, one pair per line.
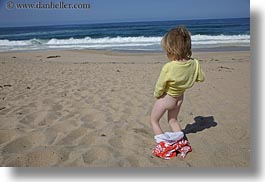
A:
92, 109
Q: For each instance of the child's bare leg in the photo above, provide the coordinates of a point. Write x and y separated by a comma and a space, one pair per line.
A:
157, 113
161, 105
173, 115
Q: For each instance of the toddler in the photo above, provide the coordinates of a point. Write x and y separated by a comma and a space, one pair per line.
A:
177, 75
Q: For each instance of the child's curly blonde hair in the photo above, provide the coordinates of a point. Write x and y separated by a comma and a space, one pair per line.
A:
177, 43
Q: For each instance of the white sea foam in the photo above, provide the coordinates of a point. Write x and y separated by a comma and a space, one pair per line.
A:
147, 43
220, 39
105, 40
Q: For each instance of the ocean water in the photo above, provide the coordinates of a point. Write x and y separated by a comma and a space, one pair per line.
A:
133, 36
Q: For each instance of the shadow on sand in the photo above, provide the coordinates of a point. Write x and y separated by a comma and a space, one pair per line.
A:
201, 123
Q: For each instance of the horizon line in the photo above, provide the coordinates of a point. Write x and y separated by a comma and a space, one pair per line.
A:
136, 21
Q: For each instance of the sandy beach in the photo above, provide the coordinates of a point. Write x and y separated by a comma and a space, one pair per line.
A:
84, 108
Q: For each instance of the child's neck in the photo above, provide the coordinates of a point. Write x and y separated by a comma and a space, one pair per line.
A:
181, 60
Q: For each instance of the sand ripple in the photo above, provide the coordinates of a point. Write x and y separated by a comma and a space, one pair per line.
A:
95, 112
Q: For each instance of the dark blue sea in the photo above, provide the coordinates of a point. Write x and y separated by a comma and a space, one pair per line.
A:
132, 36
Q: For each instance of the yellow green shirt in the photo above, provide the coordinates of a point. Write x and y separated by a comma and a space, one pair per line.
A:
176, 77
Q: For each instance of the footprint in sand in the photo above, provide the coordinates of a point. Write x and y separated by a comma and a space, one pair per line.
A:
94, 117
49, 118
25, 143
142, 131
64, 126
101, 154
8, 135
28, 119
57, 107
51, 136
89, 139
41, 118
72, 136
129, 161
116, 142
41, 157
18, 145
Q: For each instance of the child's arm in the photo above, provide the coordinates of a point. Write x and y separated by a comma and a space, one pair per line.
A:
161, 83
201, 75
